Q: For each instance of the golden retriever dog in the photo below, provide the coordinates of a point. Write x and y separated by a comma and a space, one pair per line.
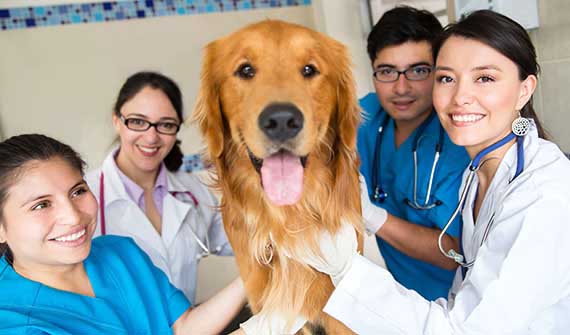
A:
278, 111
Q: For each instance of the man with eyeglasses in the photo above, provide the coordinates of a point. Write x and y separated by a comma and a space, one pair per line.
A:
411, 171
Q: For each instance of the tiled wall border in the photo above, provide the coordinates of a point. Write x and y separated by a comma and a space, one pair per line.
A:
31, 17
193, 163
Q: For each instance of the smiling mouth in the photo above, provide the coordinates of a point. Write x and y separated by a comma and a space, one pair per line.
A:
281, 176
147, 149
70, 237
466, 118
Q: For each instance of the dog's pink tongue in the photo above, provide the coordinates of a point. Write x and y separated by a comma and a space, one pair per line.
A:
282, 176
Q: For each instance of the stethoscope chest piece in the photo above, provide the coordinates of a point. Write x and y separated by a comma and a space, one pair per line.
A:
379, 195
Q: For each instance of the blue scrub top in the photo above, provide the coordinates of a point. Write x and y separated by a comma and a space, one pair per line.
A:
397, 179
132, 296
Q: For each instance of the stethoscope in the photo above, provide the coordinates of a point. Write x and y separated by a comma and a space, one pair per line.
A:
473, 167
204, 246
380, 194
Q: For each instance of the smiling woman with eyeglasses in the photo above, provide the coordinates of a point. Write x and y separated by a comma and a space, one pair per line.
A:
171, 215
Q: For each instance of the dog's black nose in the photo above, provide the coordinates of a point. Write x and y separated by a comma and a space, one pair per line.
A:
281, 122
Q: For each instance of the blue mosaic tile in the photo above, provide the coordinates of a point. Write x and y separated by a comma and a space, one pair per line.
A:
41, 16
30, 22
193, 163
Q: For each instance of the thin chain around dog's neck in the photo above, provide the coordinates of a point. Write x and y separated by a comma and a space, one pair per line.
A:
268, 254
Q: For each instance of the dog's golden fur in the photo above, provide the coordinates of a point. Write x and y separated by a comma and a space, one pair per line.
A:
227, 113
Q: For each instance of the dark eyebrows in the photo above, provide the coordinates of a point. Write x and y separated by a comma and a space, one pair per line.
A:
486, 67
135, 115
477, 68
421, 64
82, 182
34, 199
42, 196
169, 119
410, 66
144, 117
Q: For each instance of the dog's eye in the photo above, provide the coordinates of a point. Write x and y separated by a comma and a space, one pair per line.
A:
245, 71
309, 71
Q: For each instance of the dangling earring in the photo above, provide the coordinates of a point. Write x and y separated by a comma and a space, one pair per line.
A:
521, 125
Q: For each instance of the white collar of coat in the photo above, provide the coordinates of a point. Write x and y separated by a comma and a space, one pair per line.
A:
174, 182
115, 189
530, 144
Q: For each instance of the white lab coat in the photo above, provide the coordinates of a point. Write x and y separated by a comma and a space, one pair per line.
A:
520, 282
176, 251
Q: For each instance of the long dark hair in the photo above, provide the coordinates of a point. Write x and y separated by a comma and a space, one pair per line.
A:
16, 151
135, 84
507, 37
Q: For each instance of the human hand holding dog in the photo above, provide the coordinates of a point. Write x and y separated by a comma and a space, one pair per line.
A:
337, 253
274, 324
373, 216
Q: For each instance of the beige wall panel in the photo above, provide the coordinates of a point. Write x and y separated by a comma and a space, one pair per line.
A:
556, 101
553, 35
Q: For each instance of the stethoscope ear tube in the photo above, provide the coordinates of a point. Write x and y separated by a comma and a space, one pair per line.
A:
457, 257
473, 167
379, 194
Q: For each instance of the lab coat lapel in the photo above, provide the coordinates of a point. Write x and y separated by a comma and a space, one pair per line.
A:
174, 211
491, 204
114, 188
468, 238
122, 216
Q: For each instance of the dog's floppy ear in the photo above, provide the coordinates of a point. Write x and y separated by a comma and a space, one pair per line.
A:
348, 111
346, 121
207, 112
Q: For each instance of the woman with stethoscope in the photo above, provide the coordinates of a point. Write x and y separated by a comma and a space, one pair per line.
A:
515, 203
171, 215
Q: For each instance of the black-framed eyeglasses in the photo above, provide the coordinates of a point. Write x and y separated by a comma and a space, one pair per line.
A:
415, 73
162, 127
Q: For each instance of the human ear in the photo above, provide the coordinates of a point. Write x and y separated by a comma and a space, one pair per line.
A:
526, 90
116, 123
2, 233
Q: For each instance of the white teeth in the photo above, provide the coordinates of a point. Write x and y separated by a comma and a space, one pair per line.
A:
148, 150
71, 237
466, 117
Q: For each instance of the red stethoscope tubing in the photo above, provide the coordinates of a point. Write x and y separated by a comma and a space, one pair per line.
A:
102, 201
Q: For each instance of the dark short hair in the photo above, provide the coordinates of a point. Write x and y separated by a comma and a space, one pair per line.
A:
505, 36
134, 84
400, 25
17, 151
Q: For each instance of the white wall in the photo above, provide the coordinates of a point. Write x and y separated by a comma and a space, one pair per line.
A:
342, 20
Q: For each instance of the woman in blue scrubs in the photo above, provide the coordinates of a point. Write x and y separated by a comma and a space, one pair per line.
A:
55, 280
